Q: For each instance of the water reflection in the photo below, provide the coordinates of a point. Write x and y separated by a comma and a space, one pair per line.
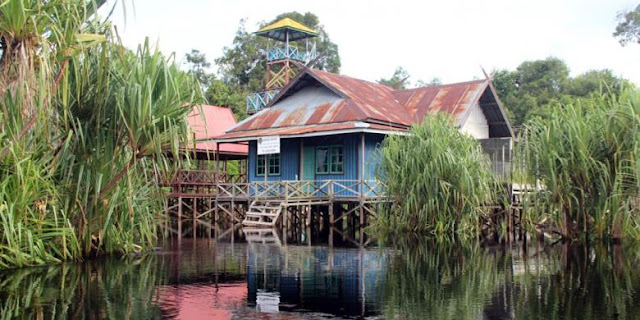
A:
202, 279
560, 282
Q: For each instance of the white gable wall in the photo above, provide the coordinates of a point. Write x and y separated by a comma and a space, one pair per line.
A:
476, 124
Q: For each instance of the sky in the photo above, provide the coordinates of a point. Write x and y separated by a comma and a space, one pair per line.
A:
448, 39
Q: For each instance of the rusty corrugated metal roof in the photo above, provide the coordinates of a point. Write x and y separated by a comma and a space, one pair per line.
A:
316, 99
297, 130
455, 99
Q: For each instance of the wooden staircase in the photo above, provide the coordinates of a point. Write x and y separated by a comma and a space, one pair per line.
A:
263, 213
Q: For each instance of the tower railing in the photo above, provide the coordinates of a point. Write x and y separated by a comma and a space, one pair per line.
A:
292, 53
258, 100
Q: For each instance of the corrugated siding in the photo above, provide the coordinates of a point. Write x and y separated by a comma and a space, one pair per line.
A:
290, 157
289, 160
350, 143
372, 156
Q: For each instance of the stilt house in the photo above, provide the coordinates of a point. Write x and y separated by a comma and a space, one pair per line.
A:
330, 125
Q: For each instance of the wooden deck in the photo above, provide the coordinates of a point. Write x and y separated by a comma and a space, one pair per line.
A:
208, 198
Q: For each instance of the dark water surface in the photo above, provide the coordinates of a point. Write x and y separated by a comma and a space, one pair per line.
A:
202, 279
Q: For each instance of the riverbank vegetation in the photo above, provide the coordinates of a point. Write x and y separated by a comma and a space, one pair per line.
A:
586, 156
439, 178
85, 123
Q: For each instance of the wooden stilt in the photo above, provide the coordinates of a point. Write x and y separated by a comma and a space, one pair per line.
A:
195, 216
331, 222
361, 225
179, 218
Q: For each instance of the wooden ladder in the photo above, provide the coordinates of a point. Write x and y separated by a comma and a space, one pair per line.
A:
263, 213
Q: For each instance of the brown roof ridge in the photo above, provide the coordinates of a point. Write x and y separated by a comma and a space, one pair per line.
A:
331, 74
443, 85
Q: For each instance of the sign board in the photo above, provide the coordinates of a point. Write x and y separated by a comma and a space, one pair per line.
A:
268, 145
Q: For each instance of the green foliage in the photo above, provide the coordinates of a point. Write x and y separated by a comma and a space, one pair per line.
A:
220, 93
198, 64
217, 92
435, 281
440, 281
84, 124
537, 87
586, 157
84, 291
399, 79
440, 179
628, 28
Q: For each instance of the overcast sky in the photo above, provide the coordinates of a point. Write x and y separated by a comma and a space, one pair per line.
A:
449, 39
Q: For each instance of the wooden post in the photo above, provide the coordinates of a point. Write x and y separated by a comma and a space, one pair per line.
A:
167, 217
217, 158
179, 218
331, 222
195, 216
215, 219
361, 225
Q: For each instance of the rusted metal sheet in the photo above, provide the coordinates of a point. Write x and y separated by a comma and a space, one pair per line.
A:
288, 131
455, 99
323, 101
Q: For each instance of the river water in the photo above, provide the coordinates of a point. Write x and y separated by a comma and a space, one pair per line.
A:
204, 279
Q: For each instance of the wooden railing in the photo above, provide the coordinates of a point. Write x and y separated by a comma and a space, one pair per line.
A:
293, 53
283, 190
304, 190
258, 100
205, 178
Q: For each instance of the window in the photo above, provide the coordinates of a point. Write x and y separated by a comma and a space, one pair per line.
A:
322, 160
260, 166
337, 158
330, 160
274, 165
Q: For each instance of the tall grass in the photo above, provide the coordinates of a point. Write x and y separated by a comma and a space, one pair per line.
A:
83, 122
439, 177
586, 156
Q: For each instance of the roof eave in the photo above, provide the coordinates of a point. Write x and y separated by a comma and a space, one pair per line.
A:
313, 134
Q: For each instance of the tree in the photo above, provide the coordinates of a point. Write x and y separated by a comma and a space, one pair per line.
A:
533, 84
197, 64
399, 79
243, 63
595, 82
216, 91
220, 93
535, 88
628, 28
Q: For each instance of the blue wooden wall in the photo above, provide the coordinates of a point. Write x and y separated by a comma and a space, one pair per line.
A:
290, 157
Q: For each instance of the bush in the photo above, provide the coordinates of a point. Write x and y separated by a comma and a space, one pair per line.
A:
440, 179
586, 157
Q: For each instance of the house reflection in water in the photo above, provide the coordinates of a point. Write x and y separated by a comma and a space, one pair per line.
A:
315, 279
221, 281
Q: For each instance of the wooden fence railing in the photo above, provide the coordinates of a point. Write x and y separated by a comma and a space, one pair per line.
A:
205, 178
304, 190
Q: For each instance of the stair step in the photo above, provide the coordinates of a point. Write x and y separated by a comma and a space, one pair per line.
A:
260, 214
266, 207
245, 222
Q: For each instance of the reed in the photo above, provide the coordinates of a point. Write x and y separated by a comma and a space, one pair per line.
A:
440, 179
586, 157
